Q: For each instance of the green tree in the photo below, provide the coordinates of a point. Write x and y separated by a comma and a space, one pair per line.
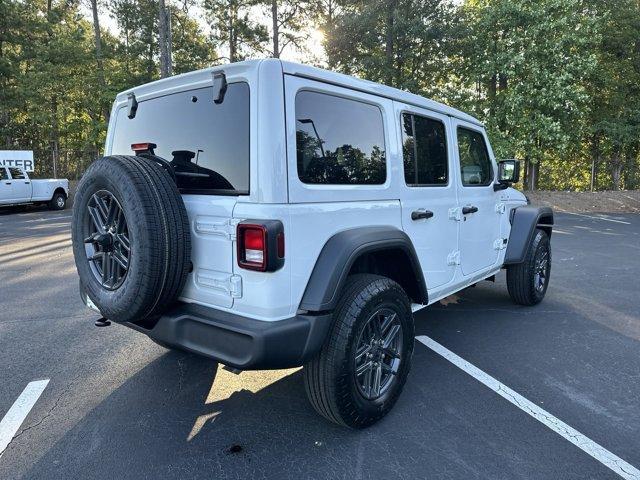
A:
232, 25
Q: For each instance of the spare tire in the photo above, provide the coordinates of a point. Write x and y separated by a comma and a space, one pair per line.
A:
131, 239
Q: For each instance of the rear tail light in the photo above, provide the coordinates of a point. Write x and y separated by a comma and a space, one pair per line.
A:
260, 245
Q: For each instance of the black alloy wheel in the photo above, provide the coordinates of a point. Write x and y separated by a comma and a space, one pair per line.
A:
107, 243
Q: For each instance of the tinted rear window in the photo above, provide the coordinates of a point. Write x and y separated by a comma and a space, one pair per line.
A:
207, 143
339, 141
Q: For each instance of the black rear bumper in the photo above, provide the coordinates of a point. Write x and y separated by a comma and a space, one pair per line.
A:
241, 342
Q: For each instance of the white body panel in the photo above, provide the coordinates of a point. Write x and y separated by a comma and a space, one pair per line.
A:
25, 190
312, 214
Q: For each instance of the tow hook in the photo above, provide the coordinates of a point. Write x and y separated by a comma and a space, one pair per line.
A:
102, 322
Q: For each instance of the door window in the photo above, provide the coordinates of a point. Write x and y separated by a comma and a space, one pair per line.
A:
3, 174
475, 165
424, 148
339, 141
16, 173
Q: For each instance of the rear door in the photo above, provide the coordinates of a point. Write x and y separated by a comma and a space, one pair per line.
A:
21, 185
207, 144
429, 191
478, 213
6, 186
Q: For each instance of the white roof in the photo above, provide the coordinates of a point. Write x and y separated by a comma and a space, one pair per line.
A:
374, 88
291, 68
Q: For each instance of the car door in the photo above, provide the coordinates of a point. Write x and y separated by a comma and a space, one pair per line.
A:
428, 191
6, 187
21, 185
478, 212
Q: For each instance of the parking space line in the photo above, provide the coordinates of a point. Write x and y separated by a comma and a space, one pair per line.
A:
12, 420
604, 456
598, 218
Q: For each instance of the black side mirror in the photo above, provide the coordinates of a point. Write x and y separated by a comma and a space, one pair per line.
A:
508, 173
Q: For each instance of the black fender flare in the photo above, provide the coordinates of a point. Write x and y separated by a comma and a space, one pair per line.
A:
524, 221
338, 256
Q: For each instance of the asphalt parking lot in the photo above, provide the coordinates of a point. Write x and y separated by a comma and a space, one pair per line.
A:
119, 406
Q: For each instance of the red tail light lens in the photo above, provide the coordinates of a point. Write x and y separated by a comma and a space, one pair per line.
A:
252, 247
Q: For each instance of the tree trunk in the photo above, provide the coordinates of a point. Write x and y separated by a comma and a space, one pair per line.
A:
390, 37
276, 29
616, 171
233, 13
163, 39
99, 61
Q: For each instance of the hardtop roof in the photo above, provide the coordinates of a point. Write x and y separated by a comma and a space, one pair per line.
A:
306, 71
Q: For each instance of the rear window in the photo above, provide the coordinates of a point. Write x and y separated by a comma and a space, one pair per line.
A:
207, 143
339, 141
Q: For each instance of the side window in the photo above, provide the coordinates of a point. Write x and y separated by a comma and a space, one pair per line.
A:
16, 173
339, 141
3, 174
424, 149
475, 164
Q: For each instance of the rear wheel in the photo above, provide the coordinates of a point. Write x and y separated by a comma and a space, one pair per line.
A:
58, 201
361, 370
527, 282
131, 238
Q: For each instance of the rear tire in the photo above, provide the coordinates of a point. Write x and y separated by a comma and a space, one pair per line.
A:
527, 282
333, 386
58, 201
148, 235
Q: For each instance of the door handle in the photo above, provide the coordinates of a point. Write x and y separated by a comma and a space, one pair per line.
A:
27, 183
7, 183
420, 214
469, 209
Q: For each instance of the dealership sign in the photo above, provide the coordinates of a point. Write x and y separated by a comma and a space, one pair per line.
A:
17, 158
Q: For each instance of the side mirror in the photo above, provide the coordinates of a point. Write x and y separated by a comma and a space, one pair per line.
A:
508, 173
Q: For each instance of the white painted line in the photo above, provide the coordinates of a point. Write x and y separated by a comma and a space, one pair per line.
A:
604, 456
12, 420
598, 218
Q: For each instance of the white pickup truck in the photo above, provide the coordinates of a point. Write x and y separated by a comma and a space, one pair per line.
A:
17, 188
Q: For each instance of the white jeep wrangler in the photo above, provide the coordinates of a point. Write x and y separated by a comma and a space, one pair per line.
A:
269, 215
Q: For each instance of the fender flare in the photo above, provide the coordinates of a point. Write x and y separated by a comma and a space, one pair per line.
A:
338, 256
524, 221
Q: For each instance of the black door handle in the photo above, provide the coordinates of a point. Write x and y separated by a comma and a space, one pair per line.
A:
7, 183
466, 210
27, 182
420, 214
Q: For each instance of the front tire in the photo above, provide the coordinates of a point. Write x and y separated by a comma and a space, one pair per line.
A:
361, 370
527, 282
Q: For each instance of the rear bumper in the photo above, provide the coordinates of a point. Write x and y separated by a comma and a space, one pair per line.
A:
241, 342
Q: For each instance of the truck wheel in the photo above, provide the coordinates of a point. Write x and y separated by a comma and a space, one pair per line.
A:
131, 239
58, 201
527, 282
359, 374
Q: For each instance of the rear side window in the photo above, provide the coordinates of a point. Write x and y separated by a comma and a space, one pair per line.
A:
3, 174
207, 143
16, 173
475, 164
424, 149
339, 141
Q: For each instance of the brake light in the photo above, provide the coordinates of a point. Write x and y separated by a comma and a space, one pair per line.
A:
260, 245
252, 246
143, 147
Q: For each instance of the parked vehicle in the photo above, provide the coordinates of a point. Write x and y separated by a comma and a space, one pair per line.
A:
16, 188
267, 214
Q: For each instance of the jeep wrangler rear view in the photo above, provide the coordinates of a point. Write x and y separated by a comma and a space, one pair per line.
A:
269, 215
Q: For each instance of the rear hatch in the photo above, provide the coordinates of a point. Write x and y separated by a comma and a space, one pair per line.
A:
207, 144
